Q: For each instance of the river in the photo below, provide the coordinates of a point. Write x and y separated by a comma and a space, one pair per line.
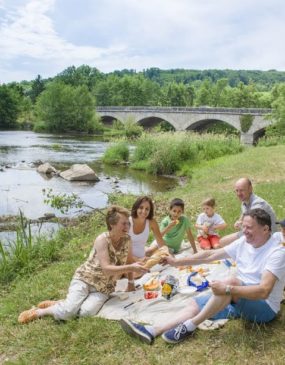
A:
21, 186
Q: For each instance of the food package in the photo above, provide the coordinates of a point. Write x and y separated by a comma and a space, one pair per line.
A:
156, 257
169, 287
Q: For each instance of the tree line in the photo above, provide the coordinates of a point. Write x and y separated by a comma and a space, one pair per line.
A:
67, 102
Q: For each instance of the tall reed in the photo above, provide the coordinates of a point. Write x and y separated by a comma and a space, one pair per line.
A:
24, 254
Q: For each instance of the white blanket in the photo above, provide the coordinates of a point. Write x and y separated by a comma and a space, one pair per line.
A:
132, 305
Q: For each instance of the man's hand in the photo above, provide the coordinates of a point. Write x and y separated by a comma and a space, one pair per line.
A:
218, 287
238, 224
168, 260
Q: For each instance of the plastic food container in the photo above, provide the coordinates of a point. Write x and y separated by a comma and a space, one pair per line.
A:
200, 285
151, 294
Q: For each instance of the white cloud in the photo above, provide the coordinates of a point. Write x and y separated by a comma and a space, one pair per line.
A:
46, 36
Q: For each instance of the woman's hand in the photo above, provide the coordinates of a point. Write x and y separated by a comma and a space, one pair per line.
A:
138, 268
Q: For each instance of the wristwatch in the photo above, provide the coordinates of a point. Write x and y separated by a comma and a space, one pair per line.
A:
228, 289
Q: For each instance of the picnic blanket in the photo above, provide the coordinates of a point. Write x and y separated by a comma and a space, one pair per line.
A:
134, 306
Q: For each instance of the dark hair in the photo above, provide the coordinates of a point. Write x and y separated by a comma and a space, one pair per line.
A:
177, 203
210, 202
260, 216
137, 204
113, 215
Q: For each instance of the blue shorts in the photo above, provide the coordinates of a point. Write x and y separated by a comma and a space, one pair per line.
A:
252, 310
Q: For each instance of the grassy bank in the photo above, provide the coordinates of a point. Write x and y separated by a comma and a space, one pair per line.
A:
98, 341
171, 153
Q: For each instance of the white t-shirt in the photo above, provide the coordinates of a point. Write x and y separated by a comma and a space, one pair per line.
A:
253, 262
278, 236
139, 240
210, 222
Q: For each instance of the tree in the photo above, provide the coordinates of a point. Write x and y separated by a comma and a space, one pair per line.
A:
38, 86
10, 100
65, 108
82, 75
278, 114
218, 91
177, 94
204, 95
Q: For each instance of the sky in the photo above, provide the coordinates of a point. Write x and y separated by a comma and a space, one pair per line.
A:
44, 37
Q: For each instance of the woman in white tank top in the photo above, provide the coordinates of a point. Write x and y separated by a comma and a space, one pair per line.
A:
141, 222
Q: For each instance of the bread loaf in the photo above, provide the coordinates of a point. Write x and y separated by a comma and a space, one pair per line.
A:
156, 257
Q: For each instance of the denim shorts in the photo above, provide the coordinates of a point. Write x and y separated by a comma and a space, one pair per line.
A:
252, 310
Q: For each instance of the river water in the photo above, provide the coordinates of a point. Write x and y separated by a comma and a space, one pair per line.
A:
21, 186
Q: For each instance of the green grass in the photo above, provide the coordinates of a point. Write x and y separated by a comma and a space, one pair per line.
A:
98, 341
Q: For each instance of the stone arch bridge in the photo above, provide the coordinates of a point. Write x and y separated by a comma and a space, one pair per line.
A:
184, 118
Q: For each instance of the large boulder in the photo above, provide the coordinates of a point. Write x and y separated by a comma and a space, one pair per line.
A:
46, 168
79, 172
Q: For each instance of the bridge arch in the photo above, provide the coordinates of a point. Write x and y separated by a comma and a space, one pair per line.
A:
203, 124
258, 134
108, 120
150, 122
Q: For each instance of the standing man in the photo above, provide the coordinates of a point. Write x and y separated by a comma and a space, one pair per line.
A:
244, 192
254, 295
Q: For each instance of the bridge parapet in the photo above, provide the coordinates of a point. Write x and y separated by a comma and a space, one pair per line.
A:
208, 110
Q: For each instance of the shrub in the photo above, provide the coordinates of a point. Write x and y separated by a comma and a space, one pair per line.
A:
132, 129
271, 141
166, 153
40, 126
116, 153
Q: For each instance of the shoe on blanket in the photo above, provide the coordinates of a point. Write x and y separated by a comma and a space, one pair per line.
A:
177, 334
46, 304
28, 316
138, 330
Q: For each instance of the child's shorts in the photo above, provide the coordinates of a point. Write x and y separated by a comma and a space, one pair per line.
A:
211, 241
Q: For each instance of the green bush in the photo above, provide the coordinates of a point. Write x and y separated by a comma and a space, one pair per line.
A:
271, 141
166, 153
40, 126
116, 153
132, 129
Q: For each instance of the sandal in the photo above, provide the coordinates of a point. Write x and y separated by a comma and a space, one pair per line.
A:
27, 316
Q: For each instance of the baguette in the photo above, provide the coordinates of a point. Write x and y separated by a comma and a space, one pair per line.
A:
156, 257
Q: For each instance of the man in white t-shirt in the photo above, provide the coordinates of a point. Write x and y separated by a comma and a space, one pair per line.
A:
244, 192
255, 293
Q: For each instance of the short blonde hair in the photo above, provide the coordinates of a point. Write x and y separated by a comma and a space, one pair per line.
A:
113, 215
